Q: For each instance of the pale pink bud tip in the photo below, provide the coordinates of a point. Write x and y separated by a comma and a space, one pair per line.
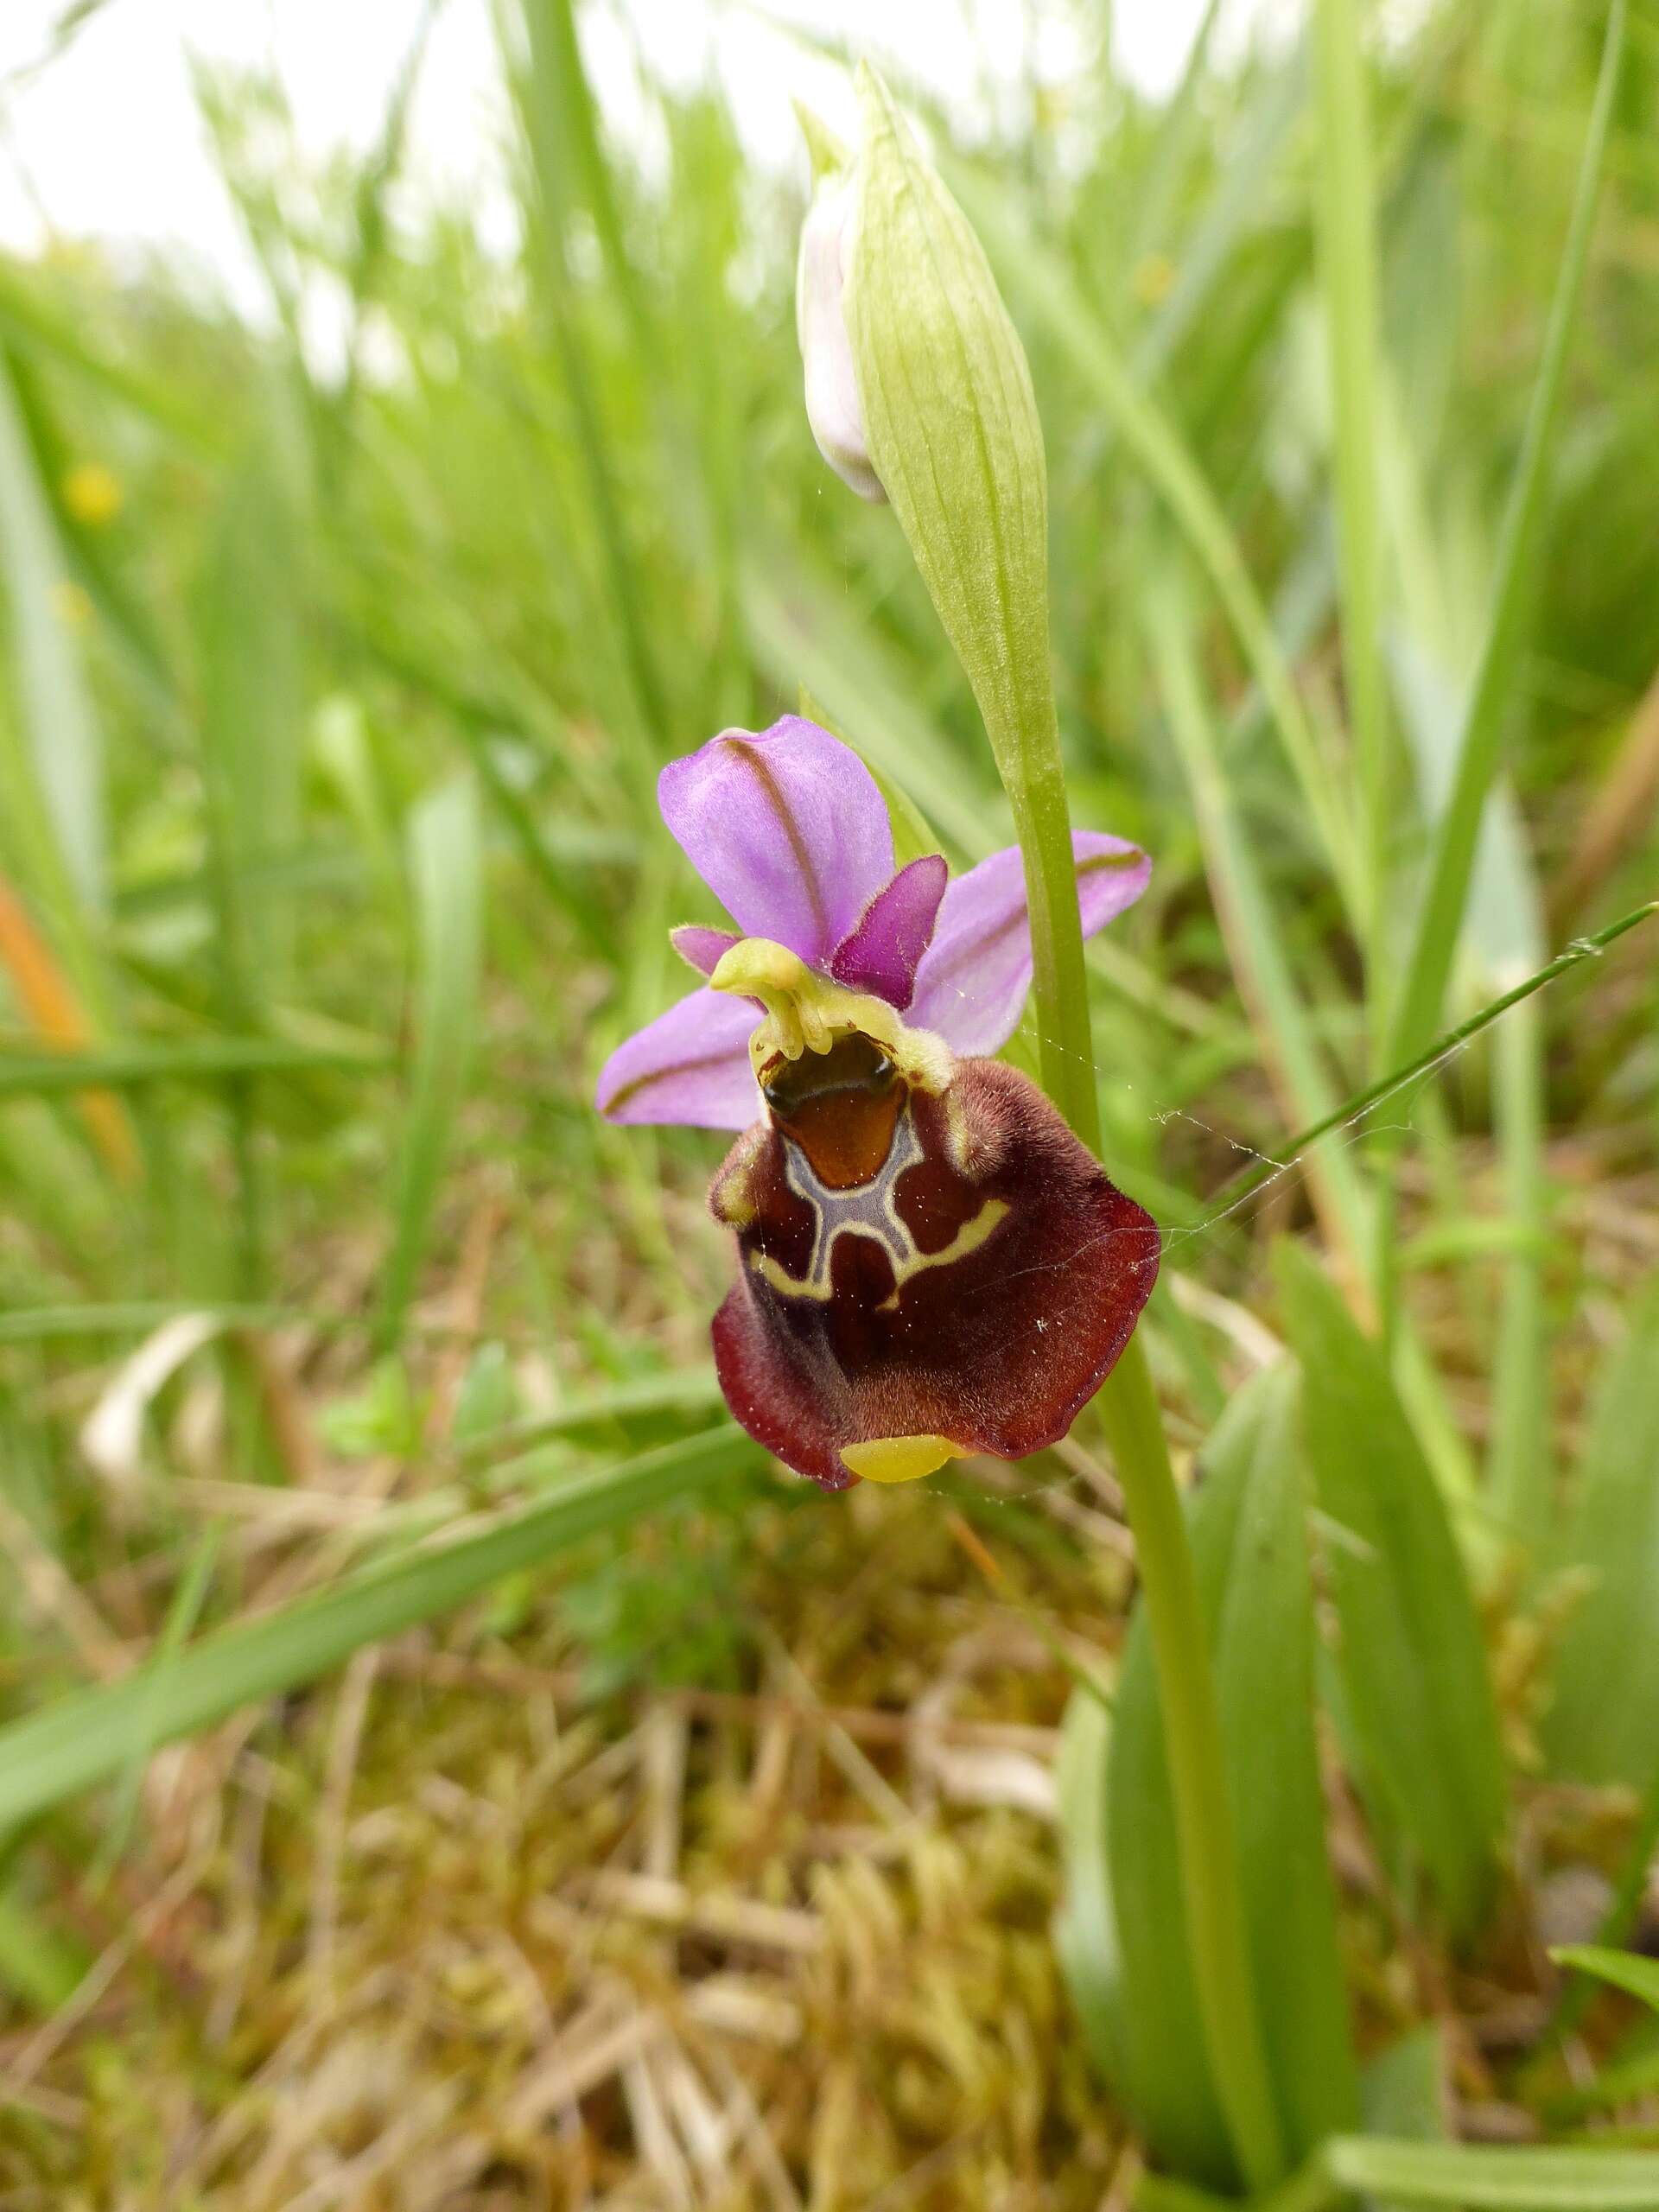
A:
832, 406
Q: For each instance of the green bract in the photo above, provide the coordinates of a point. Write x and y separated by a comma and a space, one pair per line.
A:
951, 421
951, 425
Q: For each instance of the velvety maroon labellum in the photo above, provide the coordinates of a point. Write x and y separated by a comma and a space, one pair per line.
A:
954, 1265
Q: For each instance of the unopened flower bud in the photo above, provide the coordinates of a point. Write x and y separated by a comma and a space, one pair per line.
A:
832, 404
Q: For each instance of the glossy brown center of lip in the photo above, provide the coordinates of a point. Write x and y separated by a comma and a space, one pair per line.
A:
840, 1107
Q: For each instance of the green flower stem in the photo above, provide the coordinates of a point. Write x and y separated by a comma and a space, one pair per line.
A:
1133, 1423
955, 439
1059, 980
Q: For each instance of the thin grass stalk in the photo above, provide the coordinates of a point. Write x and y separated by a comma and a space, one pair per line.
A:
1256, 948
1343, 196
446, 870
1518, 1474
1180, 132
65, 749
1157, 446
1348, 1212
1440, 921
135, 1067
557, 121
1249, 1179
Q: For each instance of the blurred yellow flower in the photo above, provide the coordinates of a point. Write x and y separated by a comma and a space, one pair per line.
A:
92, 494
70, 605
1153, 277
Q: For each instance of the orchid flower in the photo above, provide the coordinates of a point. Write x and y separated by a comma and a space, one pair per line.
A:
930, 1263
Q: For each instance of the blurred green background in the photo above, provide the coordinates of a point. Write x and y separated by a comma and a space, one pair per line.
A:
334, 685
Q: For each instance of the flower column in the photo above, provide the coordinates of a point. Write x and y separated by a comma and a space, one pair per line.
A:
946, 426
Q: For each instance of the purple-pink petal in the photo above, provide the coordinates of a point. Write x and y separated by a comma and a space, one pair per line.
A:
786, 828
973, 979
703, 949
690, 1065
884, 951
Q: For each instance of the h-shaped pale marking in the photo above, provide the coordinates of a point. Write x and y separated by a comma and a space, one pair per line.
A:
869, 1210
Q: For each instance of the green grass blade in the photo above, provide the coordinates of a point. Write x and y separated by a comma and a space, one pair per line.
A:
1440, 921
120, 616
570, 153
248, 641
87, 1738
249, 627
1241, 195
1034, 274
66, 743
51, 1323
1413, 1662
1343, 194
1265, 1677
446, 865
556, 113
1180, 135
1613, 1534
1403, 2093
1085, 1929
1263, 968
1626, 1970
1125, 1936
693, 1390
184, 1610
1261, 964
1504, 928
39, 1966
209, 1061
26, 321
1478, 2179
1619, 1920
1403, 2087
1581, 949
1520, 1467
375, 187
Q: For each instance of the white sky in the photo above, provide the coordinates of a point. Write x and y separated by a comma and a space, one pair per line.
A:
105, 141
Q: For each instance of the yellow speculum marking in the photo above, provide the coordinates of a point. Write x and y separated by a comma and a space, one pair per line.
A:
897, 1458
968, 1238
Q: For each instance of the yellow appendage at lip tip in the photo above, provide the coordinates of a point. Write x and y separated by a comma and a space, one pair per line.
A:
897, 1458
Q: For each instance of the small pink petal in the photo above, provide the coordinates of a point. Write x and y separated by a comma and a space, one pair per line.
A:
883, 953
972, 982
703, 949
690, 1065
786, 828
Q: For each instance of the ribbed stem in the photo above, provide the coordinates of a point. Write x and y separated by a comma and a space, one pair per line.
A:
1129, 1408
